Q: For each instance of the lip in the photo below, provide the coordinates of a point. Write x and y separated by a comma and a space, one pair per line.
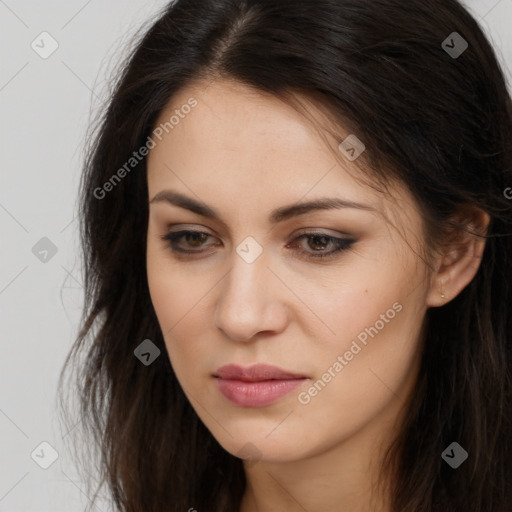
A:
255, 373
257, 385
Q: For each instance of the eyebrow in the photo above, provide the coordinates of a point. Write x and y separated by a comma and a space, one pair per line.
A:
278, 215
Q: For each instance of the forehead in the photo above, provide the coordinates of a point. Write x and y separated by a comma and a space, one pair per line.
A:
232, 117
232, 129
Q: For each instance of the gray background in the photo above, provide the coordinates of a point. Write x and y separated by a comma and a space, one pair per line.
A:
46, 106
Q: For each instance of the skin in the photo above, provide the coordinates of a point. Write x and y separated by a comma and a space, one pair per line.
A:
244, 154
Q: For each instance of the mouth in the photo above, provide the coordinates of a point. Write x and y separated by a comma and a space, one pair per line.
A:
257, 385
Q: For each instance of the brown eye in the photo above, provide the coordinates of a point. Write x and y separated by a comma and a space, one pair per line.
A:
319, 242
195, 239
192, 239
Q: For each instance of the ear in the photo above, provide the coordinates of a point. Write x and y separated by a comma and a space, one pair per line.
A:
459, 260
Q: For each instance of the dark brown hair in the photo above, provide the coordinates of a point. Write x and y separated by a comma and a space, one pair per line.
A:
440, 124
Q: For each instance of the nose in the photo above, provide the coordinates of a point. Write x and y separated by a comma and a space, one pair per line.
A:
251, 301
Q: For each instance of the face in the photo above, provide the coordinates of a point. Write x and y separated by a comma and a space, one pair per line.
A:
333, 296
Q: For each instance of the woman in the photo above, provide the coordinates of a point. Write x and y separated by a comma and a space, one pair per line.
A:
297, 254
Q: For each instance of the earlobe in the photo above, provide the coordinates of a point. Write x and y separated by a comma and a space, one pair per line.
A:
460, 260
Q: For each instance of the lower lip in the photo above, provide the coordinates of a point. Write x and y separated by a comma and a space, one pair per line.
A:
256, 394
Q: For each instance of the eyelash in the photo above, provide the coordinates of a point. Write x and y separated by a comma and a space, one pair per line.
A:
342, 244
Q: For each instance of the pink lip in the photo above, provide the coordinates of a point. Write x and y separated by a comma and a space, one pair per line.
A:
257, 385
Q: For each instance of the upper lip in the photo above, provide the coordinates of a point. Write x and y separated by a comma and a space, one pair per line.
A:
254, 373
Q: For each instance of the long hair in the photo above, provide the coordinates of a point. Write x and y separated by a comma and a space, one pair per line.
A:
438, 121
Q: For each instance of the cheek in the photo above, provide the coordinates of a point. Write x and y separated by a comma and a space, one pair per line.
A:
173, 292
373, 358
179, 299
362, 302
371, 345
378, 297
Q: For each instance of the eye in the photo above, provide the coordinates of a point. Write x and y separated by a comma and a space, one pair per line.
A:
194, 239
317, 242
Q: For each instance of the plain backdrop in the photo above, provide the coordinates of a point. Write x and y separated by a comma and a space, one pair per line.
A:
46, 105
